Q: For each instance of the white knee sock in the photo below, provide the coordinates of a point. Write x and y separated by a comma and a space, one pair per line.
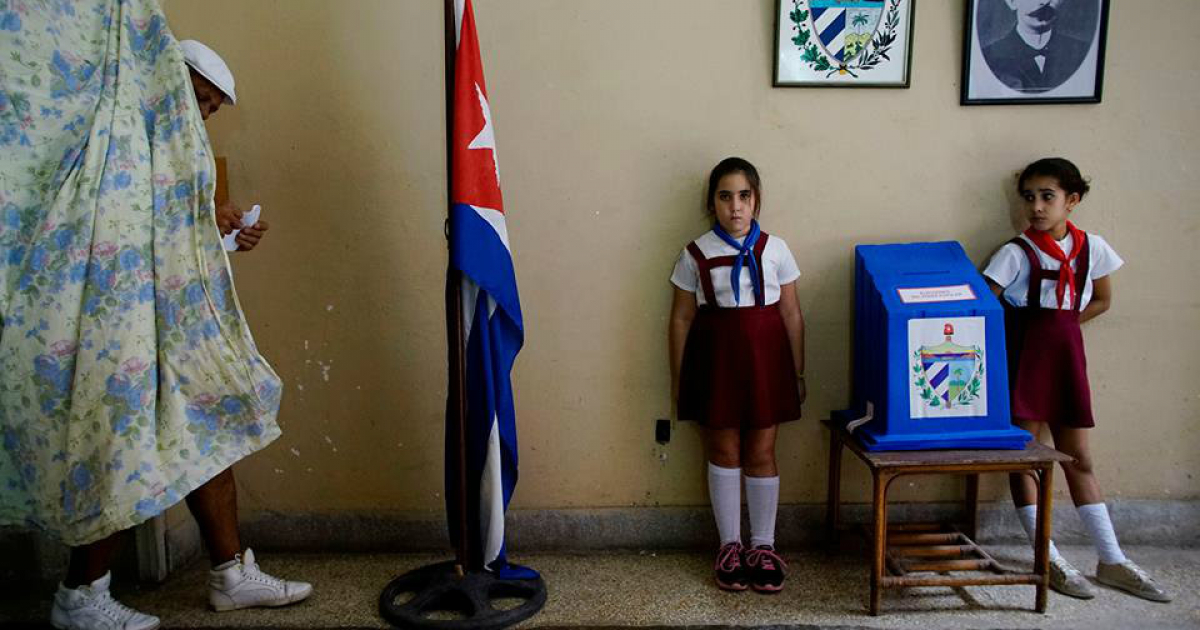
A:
762, 499
1099, 527
725, 493
1028, 516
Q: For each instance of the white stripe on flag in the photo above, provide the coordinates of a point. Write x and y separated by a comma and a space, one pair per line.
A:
470, 296
491, 498
470, 293
458, 17
495, 218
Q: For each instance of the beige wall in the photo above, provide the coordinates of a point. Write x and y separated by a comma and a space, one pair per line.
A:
608, 115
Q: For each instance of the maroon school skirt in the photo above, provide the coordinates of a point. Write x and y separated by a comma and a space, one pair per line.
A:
738, 371
1047, 368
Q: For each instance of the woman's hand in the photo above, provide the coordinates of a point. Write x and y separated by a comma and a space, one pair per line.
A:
249, 237
802, 388
229, 218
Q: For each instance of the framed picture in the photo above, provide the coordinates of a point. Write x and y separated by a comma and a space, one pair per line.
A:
1034, 51
843, 43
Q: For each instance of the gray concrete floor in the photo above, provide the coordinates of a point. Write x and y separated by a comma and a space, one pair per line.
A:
824, 590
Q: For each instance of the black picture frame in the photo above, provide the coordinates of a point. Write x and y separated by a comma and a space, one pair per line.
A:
1000, 68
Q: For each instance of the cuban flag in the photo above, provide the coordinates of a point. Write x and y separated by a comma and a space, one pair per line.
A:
491, 315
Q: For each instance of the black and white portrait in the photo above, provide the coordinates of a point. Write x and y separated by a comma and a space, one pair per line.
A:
1034, 51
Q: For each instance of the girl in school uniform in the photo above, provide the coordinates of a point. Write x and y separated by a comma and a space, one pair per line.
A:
1052, 278
736, 342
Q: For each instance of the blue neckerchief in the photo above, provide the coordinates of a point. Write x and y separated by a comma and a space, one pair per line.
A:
745, 251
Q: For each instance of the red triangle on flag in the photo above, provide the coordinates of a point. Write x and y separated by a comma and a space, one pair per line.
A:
475, 179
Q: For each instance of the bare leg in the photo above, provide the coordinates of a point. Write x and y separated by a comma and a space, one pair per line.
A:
723, 447
758, 452
1081, 480
91, 561
1024, 486
214, 505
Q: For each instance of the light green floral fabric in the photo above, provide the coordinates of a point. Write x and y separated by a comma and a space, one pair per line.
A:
128, 376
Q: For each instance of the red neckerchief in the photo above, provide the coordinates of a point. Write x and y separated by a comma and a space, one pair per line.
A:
1045, 242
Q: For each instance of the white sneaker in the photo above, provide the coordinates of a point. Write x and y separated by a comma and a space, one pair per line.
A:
243, 585
1067, 580
1130, 578
92, 607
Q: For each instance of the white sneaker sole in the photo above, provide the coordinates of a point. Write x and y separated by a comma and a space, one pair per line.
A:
1132, 590
59, 624
294, 599
1073, 593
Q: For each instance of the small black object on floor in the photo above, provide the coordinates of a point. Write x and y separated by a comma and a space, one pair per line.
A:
438, 587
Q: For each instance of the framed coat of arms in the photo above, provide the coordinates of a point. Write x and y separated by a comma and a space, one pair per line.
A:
843, 43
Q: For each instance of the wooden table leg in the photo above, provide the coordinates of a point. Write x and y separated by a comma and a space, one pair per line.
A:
833, 500
973, 506
879, 546
1041, 550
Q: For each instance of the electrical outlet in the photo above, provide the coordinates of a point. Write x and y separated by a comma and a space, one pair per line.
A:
662, 431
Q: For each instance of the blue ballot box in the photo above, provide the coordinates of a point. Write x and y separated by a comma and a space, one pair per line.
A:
930, 369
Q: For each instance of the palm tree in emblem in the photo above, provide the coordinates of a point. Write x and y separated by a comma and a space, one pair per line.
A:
857, 41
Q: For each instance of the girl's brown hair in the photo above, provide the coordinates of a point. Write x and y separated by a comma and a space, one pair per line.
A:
1061, 169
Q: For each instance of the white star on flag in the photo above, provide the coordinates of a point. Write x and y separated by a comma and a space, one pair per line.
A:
486, 138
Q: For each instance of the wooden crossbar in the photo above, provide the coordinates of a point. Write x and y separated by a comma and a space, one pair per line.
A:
948, 565
941, 551
942, 538
950, 580
915, 527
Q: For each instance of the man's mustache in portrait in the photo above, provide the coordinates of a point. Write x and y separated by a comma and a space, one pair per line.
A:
1046, 13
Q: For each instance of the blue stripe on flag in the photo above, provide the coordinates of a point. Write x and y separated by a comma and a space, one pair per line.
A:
477, 251
491, 350
494, 340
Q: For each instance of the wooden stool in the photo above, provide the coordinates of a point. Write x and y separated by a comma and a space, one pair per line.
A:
905, 549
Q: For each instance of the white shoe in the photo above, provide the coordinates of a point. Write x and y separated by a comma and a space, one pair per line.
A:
1067, 580
243, 585
1130, 578
92, 607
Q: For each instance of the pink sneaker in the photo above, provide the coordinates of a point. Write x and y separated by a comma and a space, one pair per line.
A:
766, 569
731, 576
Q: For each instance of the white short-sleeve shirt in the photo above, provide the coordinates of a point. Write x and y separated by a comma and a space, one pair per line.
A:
779, 268
1009, 268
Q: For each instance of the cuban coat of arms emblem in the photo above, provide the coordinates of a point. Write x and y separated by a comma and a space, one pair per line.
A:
843, 28
852, 41
947, 367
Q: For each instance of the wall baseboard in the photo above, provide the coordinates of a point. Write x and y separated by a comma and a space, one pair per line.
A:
1138, 522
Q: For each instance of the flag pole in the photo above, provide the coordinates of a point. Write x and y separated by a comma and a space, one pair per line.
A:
454, 307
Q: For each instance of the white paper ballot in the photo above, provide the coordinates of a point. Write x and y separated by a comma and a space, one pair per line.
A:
248, 219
